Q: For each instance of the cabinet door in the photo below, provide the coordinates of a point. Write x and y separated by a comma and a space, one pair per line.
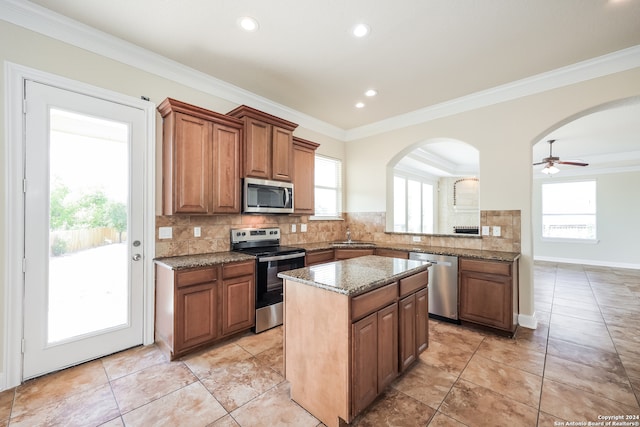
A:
282, 154
364, 380
486, 299
226, 169
387, 346
303, 180
422, 320
257, 156
407, 326
191, 165
238, 304
196, 320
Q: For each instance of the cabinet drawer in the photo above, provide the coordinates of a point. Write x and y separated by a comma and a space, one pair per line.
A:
318, 257
392, 253
238, 269
352, 253
490, 267
372, 301
413, 283
194, 277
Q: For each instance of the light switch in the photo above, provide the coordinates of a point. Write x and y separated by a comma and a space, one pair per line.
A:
485, 230
293, 228
416, 238
496, 230
165, 232
196, 231
303, 228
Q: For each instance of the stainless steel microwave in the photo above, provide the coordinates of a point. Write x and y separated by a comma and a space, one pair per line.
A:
265, 196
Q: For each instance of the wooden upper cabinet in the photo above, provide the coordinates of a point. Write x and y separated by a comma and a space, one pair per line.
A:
268, 144
304, 160
201, 160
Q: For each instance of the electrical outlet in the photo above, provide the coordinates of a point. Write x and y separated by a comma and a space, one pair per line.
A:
485, 230
165, 232
496, 230
303, 228
196, 231
417, 238
293, 228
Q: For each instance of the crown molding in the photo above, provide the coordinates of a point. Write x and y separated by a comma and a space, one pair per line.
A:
48, 23
611, 63
41, 20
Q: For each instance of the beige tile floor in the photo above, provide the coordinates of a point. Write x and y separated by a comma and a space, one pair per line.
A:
582, 362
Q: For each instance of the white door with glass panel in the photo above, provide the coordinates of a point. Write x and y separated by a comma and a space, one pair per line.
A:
84, 169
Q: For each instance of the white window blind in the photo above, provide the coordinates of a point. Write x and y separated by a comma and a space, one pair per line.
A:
569, 210
328, 187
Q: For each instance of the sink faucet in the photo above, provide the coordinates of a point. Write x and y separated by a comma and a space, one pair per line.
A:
348, 235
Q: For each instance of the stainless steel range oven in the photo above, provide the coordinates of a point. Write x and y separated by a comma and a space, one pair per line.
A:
271, 259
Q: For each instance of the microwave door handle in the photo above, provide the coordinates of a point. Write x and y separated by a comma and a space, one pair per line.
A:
286, 197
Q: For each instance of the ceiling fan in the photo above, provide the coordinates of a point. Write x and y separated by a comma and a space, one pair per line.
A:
551, 161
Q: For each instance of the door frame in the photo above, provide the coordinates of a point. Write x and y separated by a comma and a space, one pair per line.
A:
14, 160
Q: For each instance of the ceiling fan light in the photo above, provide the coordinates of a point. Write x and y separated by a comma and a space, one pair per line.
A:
550, 170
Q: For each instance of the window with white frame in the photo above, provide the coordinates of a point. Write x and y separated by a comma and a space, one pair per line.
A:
412, 205
569, 210
328, 187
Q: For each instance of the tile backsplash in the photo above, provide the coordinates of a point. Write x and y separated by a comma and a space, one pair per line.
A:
367, 226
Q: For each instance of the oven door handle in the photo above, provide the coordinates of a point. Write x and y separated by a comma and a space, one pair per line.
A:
281, 257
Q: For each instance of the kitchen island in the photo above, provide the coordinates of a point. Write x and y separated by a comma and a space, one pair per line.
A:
350, 328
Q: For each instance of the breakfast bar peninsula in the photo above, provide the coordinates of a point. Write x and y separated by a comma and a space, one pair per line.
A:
350, 328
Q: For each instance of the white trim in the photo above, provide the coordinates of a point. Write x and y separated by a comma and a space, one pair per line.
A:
570, 240
528, 321
592, 262
41, 20
15, 75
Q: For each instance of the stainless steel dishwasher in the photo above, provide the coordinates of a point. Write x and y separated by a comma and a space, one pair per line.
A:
443, 285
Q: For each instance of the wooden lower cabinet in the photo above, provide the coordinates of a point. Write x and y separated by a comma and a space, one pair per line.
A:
318, 257
407, 323
197, 306
422, 320
392, 253
341, 253
197, 309
489, 293
238, 299
374, 355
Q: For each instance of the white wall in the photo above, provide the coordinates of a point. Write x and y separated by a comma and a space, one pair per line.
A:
617, 227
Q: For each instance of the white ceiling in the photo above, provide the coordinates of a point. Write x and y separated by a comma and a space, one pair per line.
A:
420, 53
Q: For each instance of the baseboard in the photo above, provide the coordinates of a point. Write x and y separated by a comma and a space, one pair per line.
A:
3, 384
528, 321
592, 262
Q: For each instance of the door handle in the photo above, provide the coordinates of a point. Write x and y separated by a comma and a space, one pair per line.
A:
136, 257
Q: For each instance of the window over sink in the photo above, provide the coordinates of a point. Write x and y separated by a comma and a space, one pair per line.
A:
328, 188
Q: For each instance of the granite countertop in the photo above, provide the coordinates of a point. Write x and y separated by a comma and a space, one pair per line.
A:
202, 260
461, 252
356, 275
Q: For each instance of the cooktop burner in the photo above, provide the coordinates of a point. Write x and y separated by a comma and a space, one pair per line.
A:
270, 250
260, 242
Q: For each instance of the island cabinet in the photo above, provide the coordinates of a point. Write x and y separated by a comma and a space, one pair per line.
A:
197, 306
304, 160
489, 293
201, 160
342, 348
374, 350
268, 144
414, 312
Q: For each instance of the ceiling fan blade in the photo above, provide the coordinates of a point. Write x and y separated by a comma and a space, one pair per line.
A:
539, 163
573, 163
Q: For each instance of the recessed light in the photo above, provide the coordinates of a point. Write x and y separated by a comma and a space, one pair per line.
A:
361, 30
371, 92
360, 105
248, 24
